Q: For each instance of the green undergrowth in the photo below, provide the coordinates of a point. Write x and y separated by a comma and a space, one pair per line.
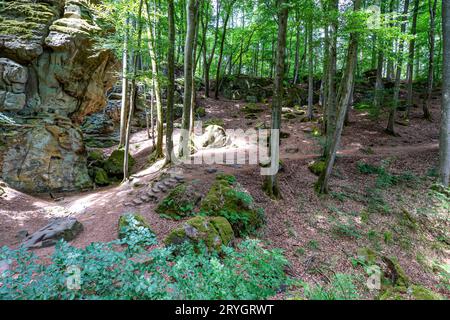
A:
127, 269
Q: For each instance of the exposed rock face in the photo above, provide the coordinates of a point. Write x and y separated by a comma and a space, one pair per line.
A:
51, 77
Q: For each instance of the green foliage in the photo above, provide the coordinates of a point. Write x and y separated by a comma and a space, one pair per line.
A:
347, 229
342, 287
109, 272
135, 232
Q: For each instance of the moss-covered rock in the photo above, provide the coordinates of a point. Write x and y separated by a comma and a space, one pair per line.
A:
226, 198
317, 167
394, 273
200, 112
101, 177
124, 223
214, 122
180, 202
421, 293
212, 231
114, 164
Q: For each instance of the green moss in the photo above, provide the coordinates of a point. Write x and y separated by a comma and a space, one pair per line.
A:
200, 112
214, 122
252, 108
392, 293
124, 224
367, 255
395, 273
422, 293
101, 177
114, 164
317, 167
180, 202
228, 200
213, 232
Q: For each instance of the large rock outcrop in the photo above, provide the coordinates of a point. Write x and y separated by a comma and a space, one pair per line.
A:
51, 77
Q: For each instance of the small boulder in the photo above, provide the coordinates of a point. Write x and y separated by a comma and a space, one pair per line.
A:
101, 177
114, 164
317, 167
60, 228
180, 202
212, 231
226, 198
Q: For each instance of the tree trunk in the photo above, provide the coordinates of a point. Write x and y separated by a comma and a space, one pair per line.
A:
392, 114
412, 46
171, 81
271, 182
222, 43
158, 153
126, 174
343, 99
191, 11
431, 42
208, 62
332, 67
124, 105
444, 142
310, 70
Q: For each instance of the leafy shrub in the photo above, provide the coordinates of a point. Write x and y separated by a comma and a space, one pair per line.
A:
112, 271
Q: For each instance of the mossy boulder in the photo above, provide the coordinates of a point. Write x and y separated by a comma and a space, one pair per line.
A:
114, 164
226, 198
317, 167
180, 202
414, 292
212, 231
214, 122
101, 177
394, 273
125, 223
200, 112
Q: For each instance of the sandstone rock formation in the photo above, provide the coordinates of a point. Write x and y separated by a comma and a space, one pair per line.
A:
51, 77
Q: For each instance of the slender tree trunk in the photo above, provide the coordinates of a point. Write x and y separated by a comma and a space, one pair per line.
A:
126, 174
332, 67
222, 43
444, 142
171, 81
431, 42
410, 70
310, 70
124, 105
213, 50
191, 11
297, 50
271, 181
343, 98
392, 114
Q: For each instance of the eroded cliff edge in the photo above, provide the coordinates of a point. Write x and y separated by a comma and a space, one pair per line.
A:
52, 74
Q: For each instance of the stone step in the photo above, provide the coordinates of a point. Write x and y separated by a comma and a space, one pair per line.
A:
137, 202
145, 198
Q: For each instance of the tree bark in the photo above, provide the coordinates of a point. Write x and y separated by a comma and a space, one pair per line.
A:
158, 153
126, 174
444, 142
431, 42
271, 181
222, 43
171, 81
310, 70
412, 47
343, 99
392, 114
191, 11
124, 105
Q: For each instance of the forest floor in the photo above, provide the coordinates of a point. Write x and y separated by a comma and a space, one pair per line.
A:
320, 235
